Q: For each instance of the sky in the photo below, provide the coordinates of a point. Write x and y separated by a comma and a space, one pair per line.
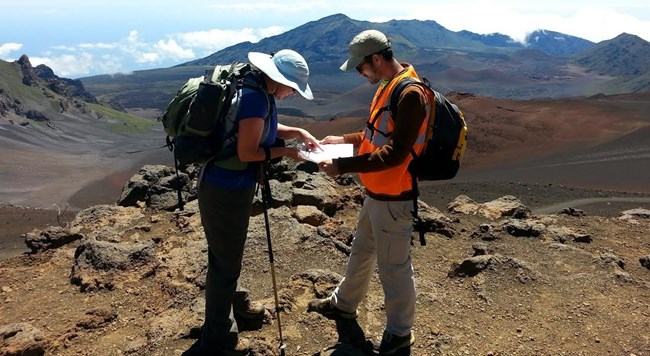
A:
79, 38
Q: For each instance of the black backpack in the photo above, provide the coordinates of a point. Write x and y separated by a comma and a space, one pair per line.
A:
446, 141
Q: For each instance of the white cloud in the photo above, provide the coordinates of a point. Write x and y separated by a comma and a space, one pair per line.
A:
216, 39
173, 50
67, 64
602, 24
146, 57
270, 31
517, 19
80, 64
7, 48
98, 45
64, 48
111, 57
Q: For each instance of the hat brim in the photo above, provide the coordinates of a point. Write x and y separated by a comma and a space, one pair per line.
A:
351, 63
264, 62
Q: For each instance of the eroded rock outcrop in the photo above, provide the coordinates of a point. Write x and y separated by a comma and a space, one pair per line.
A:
21, 339
506, 206
102, 265
49, 238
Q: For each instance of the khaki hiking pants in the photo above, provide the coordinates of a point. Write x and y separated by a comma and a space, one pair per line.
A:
383, 238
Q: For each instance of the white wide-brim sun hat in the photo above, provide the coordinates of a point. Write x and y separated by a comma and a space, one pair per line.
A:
286, 67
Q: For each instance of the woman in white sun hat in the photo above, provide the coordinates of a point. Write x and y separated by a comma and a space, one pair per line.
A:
227, 189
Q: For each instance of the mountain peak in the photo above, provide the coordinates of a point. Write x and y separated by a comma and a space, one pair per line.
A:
338, 16
628, 38
624, 54
29, 75
556, 43
24, 61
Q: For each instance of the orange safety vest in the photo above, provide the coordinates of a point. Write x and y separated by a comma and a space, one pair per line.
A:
393, 181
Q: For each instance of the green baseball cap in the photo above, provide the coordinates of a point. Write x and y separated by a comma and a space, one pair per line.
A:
364, 44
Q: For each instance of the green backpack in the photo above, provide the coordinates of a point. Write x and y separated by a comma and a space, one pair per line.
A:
200, 119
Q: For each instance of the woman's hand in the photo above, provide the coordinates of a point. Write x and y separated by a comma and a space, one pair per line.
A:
302, 135
310, 142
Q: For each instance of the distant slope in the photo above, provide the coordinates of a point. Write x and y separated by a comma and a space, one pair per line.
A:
508, 132
35, 116
546, 66
53, 142
142, 89
621, 56
625, 60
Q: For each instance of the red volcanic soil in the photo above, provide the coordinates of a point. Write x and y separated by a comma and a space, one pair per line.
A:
503, 133
528, 148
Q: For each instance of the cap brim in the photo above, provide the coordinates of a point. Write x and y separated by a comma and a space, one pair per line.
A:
351, 63
264, 62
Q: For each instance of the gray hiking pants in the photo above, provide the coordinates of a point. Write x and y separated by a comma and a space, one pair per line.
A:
224, 216
383, 238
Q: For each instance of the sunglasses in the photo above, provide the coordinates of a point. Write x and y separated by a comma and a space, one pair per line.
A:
365, 60
368, 59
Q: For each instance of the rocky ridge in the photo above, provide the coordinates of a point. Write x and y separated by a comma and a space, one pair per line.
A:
72, 96
493, 279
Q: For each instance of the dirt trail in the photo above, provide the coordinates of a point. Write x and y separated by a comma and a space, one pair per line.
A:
575, 203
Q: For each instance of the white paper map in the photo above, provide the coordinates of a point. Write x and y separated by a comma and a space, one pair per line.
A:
330, 151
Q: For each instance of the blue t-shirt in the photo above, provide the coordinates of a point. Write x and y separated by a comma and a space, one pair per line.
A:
253, 103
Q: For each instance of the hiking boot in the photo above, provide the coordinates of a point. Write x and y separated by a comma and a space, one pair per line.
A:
243, 348
244, 307
325, 308
390, 343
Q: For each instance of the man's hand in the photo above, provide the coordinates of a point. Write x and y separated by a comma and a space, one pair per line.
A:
332, 139
329, 167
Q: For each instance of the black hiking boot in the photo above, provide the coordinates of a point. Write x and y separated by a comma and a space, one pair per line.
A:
391, 344
325, 308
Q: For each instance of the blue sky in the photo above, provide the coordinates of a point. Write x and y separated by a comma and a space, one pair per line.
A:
78, 38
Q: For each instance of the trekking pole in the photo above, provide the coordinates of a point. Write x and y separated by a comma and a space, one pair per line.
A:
266, 198
179, 187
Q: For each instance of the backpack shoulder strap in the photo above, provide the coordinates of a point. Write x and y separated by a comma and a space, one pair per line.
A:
255, 84
392, 104
397, 92
245, 81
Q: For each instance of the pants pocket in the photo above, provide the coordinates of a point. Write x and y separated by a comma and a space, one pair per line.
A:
398, 251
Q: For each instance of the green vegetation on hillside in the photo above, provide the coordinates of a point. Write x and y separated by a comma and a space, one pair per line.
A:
38, 98
126, 123
11, 82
